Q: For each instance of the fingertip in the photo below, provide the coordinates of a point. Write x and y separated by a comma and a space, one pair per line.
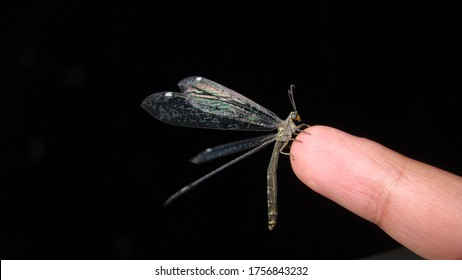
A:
349, 170
317, 156
412, 201
304, 145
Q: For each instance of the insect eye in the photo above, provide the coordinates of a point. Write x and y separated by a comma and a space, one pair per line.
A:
294, 116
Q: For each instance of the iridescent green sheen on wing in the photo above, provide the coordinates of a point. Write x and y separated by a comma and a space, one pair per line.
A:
216, 99
206, 104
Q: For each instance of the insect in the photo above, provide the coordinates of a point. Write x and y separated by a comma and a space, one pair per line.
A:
205, 104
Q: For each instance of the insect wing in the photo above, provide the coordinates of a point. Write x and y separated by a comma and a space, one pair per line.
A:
230, 148
206, 104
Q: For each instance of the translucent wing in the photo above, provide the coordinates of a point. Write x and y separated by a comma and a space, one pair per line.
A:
230, 148
206, 104
214, 172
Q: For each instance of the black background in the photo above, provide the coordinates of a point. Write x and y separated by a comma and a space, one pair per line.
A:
88, 169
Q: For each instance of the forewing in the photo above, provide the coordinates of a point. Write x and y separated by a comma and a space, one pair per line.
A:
206, 104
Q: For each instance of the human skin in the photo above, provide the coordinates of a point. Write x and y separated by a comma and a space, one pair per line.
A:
417, 204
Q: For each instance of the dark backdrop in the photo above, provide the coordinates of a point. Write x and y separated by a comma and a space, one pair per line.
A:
88, 169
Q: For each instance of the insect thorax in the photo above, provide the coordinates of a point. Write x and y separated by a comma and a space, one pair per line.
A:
287, 128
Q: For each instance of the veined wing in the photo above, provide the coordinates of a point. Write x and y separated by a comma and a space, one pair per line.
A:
206, 104
230, 148
219, 169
